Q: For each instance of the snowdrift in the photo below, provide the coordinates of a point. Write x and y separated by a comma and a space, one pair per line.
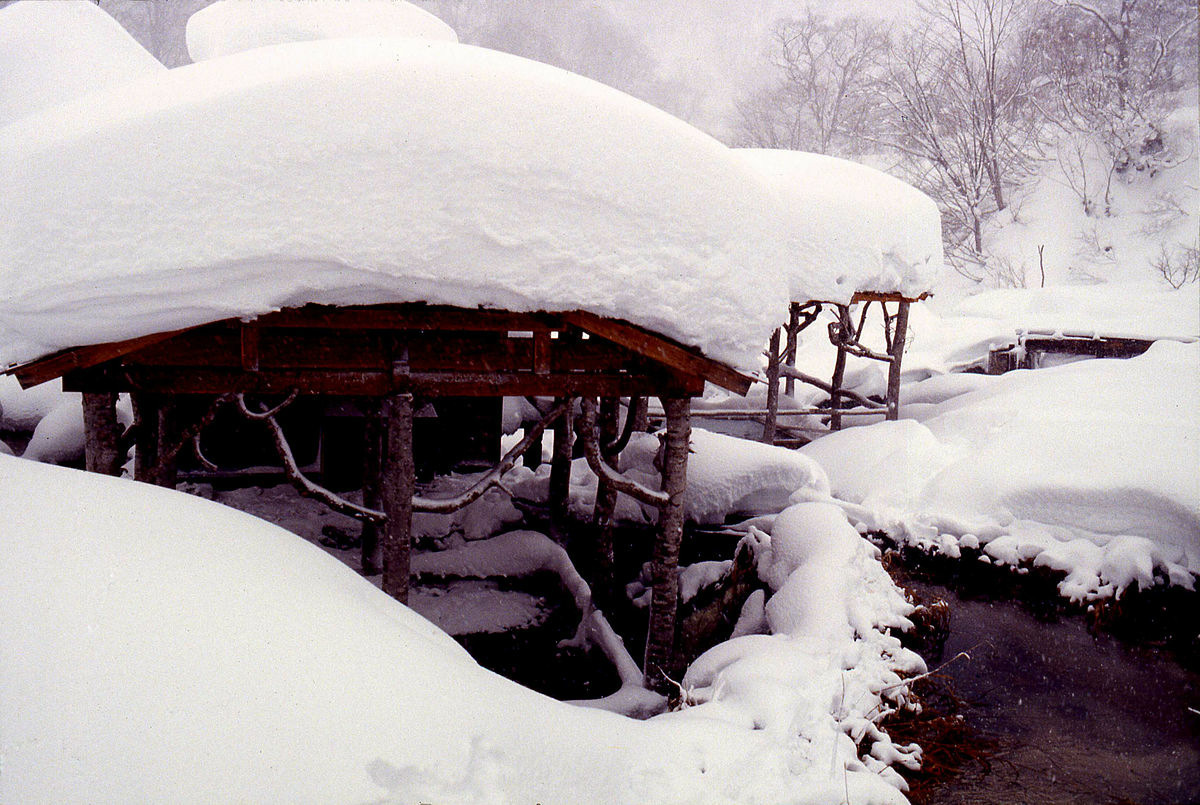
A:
51, 53
1088, 467
850, 227
357, 171
231, 26
156, 647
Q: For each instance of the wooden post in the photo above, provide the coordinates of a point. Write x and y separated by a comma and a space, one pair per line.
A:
373, 464
639, 409
899, 333
606, 500
165, 470
145, 456
773, 357
661, 659
398, 485
560, 476
102, 433
839, 368
793, 340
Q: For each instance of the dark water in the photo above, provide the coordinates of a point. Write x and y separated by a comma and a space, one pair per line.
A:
1076, 717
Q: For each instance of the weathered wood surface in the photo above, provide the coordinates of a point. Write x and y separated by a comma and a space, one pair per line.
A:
398, 488
452, 352
102, 433
661, 664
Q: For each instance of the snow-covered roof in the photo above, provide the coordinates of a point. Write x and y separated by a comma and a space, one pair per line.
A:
53, 52
231, 26
851, 228
361, 171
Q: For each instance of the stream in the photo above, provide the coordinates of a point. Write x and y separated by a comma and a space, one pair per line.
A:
1075, 717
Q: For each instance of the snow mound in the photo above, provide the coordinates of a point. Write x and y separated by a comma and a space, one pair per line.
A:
53, 52
1092, 463
231, 26
22, 409
422, 171
728, 475
266, 671
850, 227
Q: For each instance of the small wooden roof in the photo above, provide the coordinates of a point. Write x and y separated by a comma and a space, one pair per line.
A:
382, 349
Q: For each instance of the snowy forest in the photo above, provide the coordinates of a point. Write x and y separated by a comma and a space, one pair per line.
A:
491, 401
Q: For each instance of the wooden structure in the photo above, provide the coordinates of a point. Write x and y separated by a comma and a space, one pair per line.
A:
391, 355
846, 336
1033, 350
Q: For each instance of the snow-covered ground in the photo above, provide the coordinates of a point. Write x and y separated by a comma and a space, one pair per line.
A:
158, 647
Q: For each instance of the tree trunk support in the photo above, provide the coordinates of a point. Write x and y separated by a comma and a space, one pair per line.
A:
661, 660
398, 486
793, 340
166, 468
773, 360
373, 463
145, 417
899, 333
843, 326
606, 500
102, 433
560, 476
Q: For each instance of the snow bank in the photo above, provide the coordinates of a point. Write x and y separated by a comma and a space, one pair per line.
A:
231, 26
22, 409
421, 171
850, 227
1110, 309
54, 52
1092, 464
156, 647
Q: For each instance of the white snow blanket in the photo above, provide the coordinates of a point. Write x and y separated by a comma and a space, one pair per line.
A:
231, 26
1090, 468
55, 52
358, 171
157, 647
851, 227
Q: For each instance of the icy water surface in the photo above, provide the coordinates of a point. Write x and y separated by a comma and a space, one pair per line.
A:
1077, 717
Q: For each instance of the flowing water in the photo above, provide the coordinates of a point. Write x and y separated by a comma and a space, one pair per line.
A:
1075, 717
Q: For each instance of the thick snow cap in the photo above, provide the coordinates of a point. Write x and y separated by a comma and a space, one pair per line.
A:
852, 228
53, 52
363, 171
231, 26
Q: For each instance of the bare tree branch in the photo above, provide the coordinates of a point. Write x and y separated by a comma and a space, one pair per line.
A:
585, 426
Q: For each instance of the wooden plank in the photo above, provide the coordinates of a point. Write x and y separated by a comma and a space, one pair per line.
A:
39, 371
380, 383
876, 296
659, 349
250, 343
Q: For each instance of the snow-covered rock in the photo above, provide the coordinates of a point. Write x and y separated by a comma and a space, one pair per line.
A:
231, 26
851, 227
422, 170
51, 53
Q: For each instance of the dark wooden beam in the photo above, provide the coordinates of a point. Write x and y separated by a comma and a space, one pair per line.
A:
56, 365
661, 350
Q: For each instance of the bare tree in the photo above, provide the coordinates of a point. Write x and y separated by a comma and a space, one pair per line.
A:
958, 90
1110, 68
823, 99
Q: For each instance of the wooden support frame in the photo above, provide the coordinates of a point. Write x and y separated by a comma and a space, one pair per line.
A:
660, 666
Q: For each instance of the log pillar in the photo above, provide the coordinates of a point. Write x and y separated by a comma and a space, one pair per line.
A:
560, 475
661, 660
102, 433
606, 500
899, 334
398, 484
793, 341
372, 477
773, 360
843, 327
145, 418
166, 467
639, 409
